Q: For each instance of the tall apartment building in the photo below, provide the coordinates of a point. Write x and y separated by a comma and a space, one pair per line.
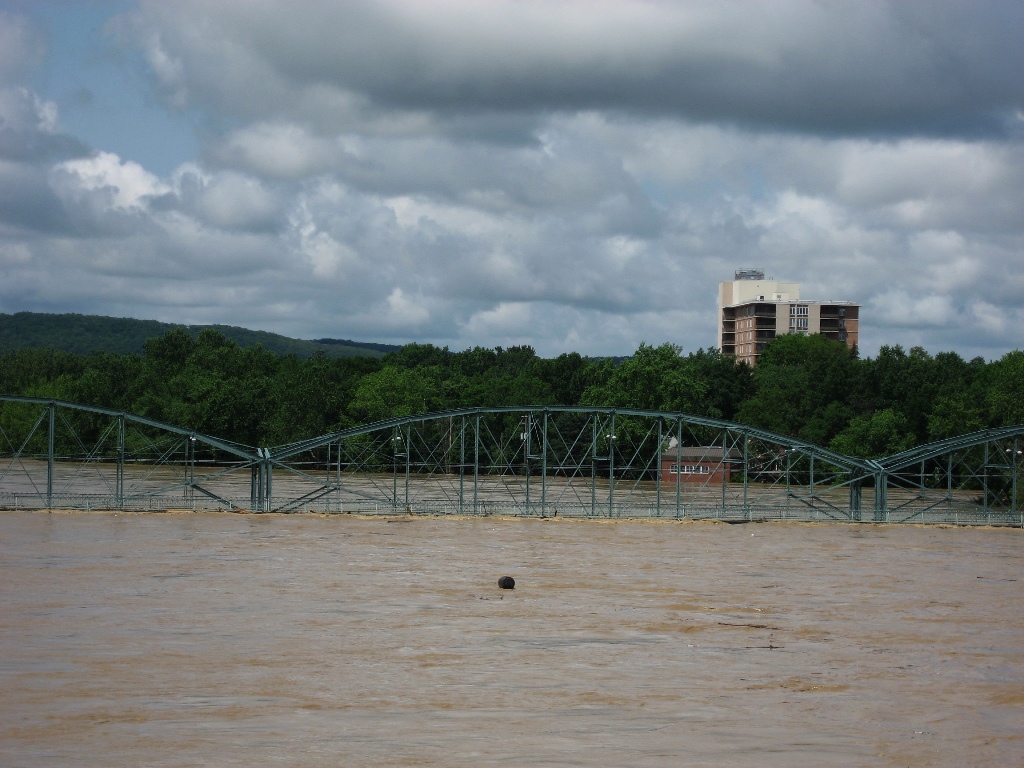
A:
752, 311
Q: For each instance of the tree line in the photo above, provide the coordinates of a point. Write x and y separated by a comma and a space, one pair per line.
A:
807, 387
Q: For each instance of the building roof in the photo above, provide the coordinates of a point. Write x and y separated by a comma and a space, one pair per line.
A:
698, 453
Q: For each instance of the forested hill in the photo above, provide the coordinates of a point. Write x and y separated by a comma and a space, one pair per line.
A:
83, 334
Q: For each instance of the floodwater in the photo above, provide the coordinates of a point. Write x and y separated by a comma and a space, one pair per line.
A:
238, 640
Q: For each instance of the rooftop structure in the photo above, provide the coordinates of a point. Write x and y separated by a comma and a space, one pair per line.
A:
750, 273
753, 310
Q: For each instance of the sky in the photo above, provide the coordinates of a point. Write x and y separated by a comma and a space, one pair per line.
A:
575, 175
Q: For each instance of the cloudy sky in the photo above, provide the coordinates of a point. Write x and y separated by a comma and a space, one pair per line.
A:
577, 175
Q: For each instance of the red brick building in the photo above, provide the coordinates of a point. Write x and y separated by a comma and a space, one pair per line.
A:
697, 464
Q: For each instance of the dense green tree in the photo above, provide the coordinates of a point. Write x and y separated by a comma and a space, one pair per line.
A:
417, 356
1005, 390
311, 396
168, 354
394, 391
25, 370
826, 422
568, 375
729, 383
805, 386
474, 362
882, 433
797, 378
517, 360
656, 378
109, 380
914, 384
499, 390
956, 414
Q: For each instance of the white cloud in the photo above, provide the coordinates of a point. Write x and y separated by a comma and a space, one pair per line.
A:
280, 150
898, 308
880, 173
128, 184
405, 311
510, 319
233, 201
990, 318
327, 256
168, 70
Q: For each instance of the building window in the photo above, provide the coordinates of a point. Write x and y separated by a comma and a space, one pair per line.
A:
798, 323
690, 469
798, 310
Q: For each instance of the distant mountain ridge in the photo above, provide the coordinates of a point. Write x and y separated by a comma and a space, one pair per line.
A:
83, 334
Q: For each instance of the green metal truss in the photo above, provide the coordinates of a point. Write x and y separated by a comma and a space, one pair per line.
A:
525, 461
55, 454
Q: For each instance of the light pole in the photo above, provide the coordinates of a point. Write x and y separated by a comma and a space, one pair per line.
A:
1014, 455
611, 473
191, 480
524, 436
396, 448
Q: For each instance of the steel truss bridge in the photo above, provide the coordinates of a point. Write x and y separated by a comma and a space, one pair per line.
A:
522, 461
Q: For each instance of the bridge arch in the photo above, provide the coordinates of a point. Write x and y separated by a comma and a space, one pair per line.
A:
541, 461
576, 461
56, 454
977, 476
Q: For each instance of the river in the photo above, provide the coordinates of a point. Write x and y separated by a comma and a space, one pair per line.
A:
238, 640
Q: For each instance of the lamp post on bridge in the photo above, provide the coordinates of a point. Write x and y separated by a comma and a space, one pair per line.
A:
1014, 455
396, 451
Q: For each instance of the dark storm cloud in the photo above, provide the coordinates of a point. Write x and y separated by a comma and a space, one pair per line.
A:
28, 203
34, 147
946, 67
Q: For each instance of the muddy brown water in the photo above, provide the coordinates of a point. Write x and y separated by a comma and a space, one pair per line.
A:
240, 640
